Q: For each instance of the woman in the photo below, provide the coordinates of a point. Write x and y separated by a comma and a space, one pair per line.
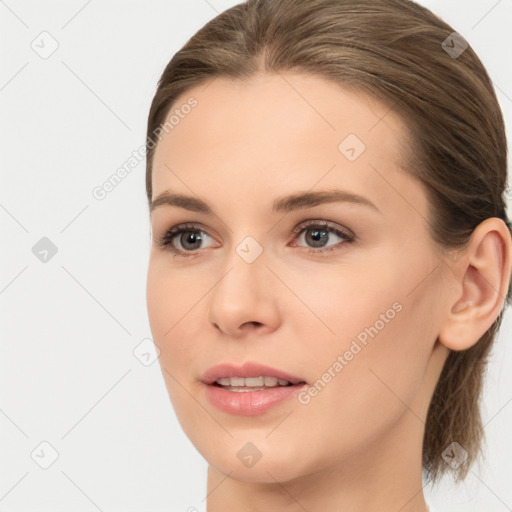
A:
331, 251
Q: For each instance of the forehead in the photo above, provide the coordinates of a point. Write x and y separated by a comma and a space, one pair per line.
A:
278, 132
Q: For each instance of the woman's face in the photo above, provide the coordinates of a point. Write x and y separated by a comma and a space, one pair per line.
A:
356, 324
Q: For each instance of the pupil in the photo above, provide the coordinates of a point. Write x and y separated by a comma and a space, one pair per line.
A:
191, 238
317, 235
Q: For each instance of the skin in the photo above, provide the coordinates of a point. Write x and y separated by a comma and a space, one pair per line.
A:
356, 446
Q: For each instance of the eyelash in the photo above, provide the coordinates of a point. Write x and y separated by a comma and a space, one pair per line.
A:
166, 240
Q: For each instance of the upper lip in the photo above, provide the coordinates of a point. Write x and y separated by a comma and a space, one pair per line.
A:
248, 369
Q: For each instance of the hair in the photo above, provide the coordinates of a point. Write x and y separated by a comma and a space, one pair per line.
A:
391, 50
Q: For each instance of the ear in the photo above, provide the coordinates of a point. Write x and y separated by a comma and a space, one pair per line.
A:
482, 275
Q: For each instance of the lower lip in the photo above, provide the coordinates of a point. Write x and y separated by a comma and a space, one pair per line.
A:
250, 403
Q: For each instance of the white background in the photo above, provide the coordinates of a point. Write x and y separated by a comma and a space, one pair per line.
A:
69, 326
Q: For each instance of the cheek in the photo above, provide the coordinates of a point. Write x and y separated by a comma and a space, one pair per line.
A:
346, 306
170, 300
381, 345
171, 297
369, 393
168, 295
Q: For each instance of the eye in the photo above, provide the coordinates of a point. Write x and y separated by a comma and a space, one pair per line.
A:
317, 233
188, 236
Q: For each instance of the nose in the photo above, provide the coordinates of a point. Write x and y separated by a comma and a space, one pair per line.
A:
245, 298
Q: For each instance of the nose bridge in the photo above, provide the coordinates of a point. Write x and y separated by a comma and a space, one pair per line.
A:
243, 268
242, 294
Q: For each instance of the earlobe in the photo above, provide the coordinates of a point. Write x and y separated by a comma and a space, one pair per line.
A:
484, 275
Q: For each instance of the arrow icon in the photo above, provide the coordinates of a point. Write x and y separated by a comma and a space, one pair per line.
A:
249, 455
247, 252
351, 147
44, 44
44, 455
454, 45
44, 250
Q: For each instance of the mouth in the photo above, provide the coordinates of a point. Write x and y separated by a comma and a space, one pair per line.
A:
245, 384
249, 375
249, 389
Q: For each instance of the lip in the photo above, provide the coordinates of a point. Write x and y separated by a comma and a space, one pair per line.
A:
249, 369
249, 403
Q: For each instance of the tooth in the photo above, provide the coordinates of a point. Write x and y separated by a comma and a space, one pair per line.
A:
254, 381
271, 381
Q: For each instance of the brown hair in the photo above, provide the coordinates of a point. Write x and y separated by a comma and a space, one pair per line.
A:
392, 50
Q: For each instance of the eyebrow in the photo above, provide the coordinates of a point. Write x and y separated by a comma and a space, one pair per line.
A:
297, 201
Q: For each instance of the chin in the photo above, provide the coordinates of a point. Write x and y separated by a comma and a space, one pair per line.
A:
258, 462
268, 471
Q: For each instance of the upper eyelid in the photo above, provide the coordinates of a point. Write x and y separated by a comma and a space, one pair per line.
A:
192, 226
297, 230
322, 223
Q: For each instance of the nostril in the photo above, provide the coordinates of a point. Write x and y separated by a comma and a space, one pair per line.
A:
256, 324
